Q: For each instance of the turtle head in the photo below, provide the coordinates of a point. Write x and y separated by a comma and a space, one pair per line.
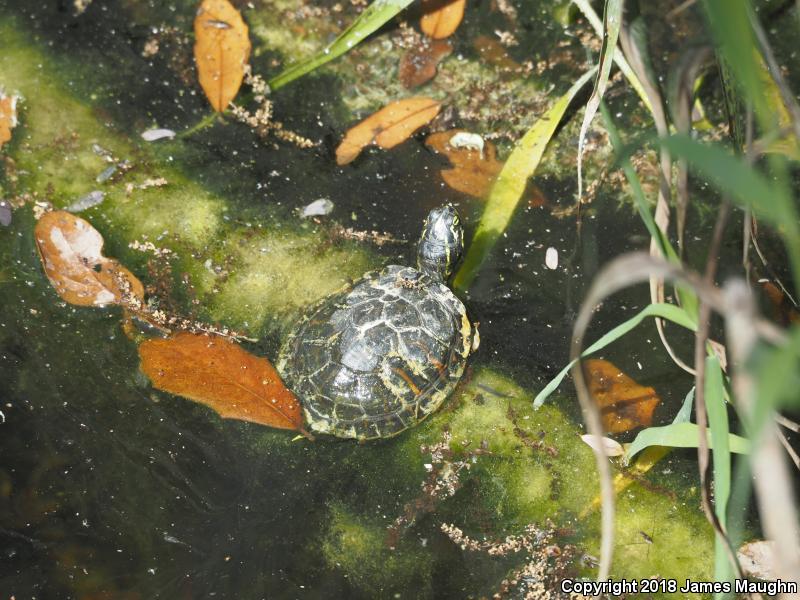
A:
441, 243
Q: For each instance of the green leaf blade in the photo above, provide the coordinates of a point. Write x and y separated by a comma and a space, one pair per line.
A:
368, 22
680, 435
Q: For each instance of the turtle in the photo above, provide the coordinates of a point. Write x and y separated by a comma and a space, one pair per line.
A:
384, 352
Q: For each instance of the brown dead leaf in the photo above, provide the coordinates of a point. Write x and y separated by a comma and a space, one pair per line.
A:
220, 374
783, 311
623, 403
418, 65
472, 173
221, 51
71, 253
441, 17
8, 116
388, 127
494, 53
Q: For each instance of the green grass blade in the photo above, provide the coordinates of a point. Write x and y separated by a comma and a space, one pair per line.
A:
369, 21
511, 183
587, 10
665, 311
718, 424
612, 21
734, 176
777, 375
729, 21
680, 435
746, 185
685, 413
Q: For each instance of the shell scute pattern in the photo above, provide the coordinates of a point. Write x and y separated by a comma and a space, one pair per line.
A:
380, 355
376, 357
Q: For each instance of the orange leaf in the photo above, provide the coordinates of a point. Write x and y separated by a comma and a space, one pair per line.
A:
472, 173
220, 374
783, 311
494, 53
388, 127
71, 253
8, 116
418, 65
441, 19
623, 403
221, 51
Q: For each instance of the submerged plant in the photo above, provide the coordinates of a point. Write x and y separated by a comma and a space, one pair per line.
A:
763, 192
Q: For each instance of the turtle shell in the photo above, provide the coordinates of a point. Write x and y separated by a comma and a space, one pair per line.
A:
378, 356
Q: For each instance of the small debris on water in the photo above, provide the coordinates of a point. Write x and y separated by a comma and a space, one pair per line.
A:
100, 151
470, 141
605, 445
551, 258
317, 208
106, 174
5, 213
151, 135
91, 199
758, 559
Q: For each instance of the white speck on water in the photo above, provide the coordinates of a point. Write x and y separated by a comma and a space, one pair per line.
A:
106, 174
91, 199
470, 141
551, 258
319, 207
638, 364
151, 135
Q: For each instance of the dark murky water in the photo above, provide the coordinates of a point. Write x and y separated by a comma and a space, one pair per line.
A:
111, 490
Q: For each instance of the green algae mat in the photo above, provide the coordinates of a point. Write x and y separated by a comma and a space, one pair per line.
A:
110, 488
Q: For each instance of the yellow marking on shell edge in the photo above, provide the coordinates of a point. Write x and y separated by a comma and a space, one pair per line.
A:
466, 327
405, 377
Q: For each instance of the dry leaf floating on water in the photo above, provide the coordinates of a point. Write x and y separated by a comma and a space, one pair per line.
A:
388, 127
222, 375
494, 53
71, 253
475, 167
441, 18
8, 116
418, 65
221, 51
624, 404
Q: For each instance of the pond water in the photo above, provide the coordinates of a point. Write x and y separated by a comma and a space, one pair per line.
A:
112, 489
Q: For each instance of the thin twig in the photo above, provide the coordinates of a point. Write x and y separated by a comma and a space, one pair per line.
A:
787, 423
679, 9
792, 454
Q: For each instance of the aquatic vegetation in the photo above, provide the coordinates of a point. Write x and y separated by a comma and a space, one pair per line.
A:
357, 546
488, 495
